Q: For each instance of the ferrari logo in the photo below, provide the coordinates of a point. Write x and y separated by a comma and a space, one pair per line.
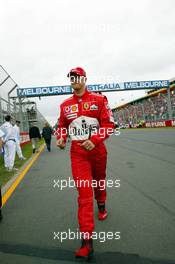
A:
86, 106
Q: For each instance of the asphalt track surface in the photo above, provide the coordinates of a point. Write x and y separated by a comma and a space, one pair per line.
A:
142, 209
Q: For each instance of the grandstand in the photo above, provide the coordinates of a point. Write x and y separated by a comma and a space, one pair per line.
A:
151, 108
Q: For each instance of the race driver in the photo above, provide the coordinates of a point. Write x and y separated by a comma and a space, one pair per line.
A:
85, 116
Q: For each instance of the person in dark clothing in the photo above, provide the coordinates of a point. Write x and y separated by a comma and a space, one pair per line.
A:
34, 135
47, 135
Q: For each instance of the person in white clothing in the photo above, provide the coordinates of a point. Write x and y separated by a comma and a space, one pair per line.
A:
1, 141
1, 144
17, 138
9, 144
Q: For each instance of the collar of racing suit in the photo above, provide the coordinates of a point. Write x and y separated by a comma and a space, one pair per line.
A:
83, 95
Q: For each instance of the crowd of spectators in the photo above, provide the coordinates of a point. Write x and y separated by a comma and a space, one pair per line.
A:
154, 108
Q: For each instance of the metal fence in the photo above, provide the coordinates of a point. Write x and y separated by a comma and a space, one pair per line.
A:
5, 107
19, 108
27, 113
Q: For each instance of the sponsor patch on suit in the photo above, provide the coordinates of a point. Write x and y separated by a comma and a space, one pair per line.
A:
71, 109
70, 116
94, 107
90, 106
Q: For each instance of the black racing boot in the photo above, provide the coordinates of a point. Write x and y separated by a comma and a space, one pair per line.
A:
86, 250
102, 213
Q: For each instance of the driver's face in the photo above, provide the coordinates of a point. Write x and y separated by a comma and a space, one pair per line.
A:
77, 81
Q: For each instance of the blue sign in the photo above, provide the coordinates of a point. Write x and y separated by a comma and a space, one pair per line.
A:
146, 84
67, 89
44, 91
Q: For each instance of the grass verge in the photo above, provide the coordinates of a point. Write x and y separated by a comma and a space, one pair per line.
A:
5, 176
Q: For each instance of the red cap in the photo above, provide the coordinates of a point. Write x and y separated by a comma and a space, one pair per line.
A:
78, 71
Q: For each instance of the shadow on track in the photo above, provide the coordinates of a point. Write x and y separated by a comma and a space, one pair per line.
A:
65, 255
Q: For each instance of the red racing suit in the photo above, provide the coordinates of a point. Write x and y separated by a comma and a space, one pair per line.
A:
87, 117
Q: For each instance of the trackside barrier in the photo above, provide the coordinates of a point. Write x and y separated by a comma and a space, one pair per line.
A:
24, 138
166, 123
